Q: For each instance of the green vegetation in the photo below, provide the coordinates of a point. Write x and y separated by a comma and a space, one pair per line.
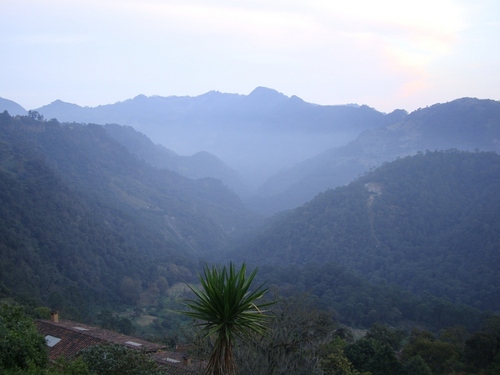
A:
85, 225
292, 341
21, 347
227, 308
466, 124
117, 360
395, 273
428, 224
360, 303
300, 338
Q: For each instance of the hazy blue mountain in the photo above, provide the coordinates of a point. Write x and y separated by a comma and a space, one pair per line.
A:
429, 223
256, 134
12, 107
88, 210
199, 165
72, 188
465, 124
78, 210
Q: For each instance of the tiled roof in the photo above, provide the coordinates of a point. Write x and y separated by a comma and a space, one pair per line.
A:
69, 328
71, 342
174, 363
74, 337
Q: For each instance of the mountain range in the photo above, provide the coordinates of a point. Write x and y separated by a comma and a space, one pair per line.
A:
256, 134
89, 212
464, 124
298, 149
79, 210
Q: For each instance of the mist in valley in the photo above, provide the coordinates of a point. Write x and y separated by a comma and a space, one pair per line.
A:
368, 218
344, 155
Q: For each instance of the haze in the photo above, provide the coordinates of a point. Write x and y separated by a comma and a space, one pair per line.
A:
388, 54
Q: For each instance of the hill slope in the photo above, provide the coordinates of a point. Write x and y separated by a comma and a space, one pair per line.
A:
465, 124
12, 107
199, 165
428, 223
79, 211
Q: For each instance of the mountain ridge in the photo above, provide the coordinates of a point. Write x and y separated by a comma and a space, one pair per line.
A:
199, 165
87, 218
427, 222
256, 134
12, 107
274, 136
82, 213
465, 124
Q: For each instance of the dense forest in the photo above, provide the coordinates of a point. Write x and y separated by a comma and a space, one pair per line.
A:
200, 165
465, 124
428, 223
82, 219
394, 273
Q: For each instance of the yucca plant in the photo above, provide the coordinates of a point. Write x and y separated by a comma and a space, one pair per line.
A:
226, 308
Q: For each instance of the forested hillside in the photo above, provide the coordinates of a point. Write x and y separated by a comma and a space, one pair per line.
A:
83, 220
465, 124
200, 165
87, 223
429, 223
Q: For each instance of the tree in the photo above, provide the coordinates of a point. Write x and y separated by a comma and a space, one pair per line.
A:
21, 346
369, 355
482, 349
112, 359
227, 309
35, 115
335, 362
292, 342
108, 321
385, 335
162, 284
441, 357
130, 290
416, 366
64, 366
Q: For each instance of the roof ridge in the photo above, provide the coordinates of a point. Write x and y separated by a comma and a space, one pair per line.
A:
105, 335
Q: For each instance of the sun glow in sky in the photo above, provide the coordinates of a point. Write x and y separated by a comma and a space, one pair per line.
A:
386, 54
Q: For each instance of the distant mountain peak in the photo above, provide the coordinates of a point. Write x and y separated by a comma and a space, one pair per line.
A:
140, 97
58, 103
267, 93
11, 107
296, 99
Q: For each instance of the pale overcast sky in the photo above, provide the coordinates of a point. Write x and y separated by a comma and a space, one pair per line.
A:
386, 54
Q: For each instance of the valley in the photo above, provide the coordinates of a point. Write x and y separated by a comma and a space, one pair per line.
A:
374, 218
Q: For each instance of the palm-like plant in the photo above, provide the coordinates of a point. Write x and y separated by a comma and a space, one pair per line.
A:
227, 309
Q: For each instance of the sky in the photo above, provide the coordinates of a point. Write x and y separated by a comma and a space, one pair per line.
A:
385, 54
